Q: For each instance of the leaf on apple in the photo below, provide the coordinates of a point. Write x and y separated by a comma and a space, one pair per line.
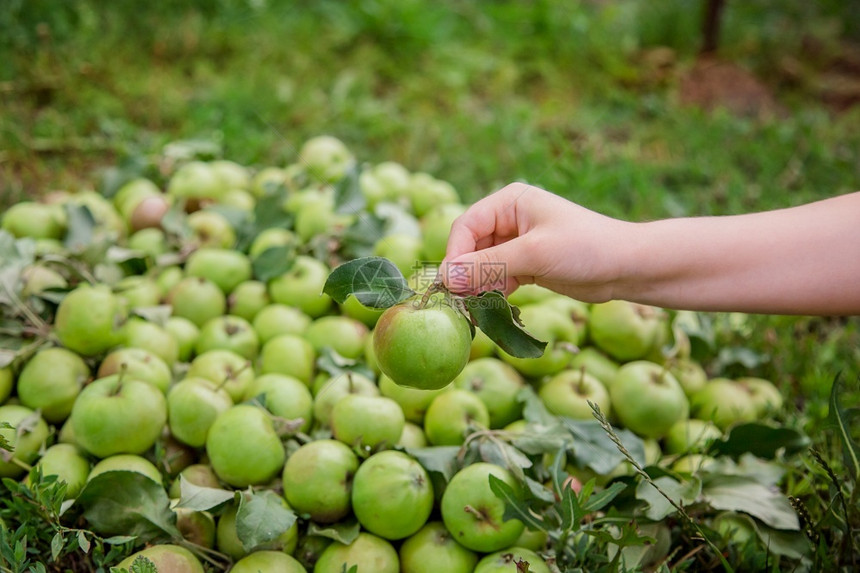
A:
273, 262
130, 503
761, 440
439, 459
269, 212
348, 198
200, 498
592, 447
515, 506
495, 316
344, 531
262, 517
375, 281
744, 494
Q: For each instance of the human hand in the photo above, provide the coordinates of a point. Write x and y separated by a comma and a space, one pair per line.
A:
522, 234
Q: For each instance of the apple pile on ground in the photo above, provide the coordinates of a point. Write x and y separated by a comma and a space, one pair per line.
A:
172, 359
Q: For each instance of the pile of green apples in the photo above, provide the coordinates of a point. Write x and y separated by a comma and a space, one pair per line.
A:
164, 334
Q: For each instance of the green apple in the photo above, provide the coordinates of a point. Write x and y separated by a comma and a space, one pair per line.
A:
370, 422
148, 213
392, 495
401, 249
131, 193
140, 333
647, 399
575, 311
413, 437
342, 334
226, 369
690, 435
116, 415
435, 228
354, 309
27, 436
482, 346
317, 480
151, 242
557, 330
267, 179
225, 267
736, 528
302, 286
172, 558
385, 182
497, 384
690, 375
725, 403
269, 238
290, 355
692, 464
275, 319
231, 174
89, 319
126, 463
413, 401
367, 553
197, 474
211, 229
51, 381
268, 562
535, 540
228, 332
434, 549
452, 415
197, 299
400, 344
325, 158
138, 291
624, 330
34, 220
7, 381
193, 404
316, 215
139, 364
426, 192
472, 512
247, 299
243, 447
646, 556
335, 389
765, 396
595, 363
196, 527
36, 279
166, 278
512, 559
569, 392
239, 199
185, 332
285, 397
69, 465
196, 180
228, 537
530, 294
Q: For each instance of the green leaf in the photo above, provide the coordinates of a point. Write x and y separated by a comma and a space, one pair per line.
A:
128, 503
81, 227
657, 506
334, 364
273, 262
738, 493
571, 511
492, 313
515, 507
348, 197
359, 239
601, 499
269, 211
593, 448
841, 419
439, 459
375, 281
534, 410
345, 531
56, 545
200, 498
262, 517
505, 455
791, 544
83, 542
761, 440
175, 222
143, 565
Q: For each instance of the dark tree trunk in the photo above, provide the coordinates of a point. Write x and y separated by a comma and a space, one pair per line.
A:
711, 25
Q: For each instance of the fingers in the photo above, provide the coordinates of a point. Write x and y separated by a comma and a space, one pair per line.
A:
495, 267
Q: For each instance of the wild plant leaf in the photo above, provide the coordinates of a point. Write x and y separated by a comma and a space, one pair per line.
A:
505, 455
142, 564
571, 512
83, 542
345, 531
439, 459
397, 220
534, 410
738, 493
592, 447
538, 490
201, 498
273, 262
269, 211
599, 500
5, 444
57, 543
262, 517
128, 503
358, 240
790, 544
334, 364
657, 506
348, 197
375, 281
515, 507
494, 315
81, 226
762, 440
131, 167
841, 419
175, 222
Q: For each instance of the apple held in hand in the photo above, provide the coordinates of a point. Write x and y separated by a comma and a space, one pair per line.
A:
422, 348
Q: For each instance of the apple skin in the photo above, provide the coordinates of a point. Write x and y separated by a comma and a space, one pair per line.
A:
736, 528
595, 363
647, 399
354, 309
624, 330
302, 286
211, 229
34, 220
690, 435
226, 268
196, 180
148, 213
139, 364
290, 355
434, 549
36, 279
568, 393
401, 249
473, 513
126, 463
412, 437
266, 178
140, 333
325, 158
228, 332
335, 389
151, 242
269, 238
197, 527
268, 562
506, 561
401, 349
185, 332
285, 397
392, 495
425, 192
344, 335
88, 320
765, 396
317, 480
115, 415
197, 299
224, 367
497, 384
198, 474
413, 401
7, 381
69, 465
482, 345
247, 299
51, 381
274, 319
725, 403
228, 538
172, 558
231, 174
435, 228
28, 444
243, 447
370, 422
138, 291
368, 552
451, 415
689, 374
193, 404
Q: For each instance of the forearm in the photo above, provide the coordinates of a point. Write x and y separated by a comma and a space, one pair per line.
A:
801, 260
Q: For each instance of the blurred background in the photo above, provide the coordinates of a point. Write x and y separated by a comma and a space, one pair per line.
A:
631, 108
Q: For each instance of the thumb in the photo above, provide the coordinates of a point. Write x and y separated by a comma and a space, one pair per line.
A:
495, 267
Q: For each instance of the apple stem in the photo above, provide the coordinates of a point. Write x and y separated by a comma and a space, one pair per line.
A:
123, 368
435, 286
478, 515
